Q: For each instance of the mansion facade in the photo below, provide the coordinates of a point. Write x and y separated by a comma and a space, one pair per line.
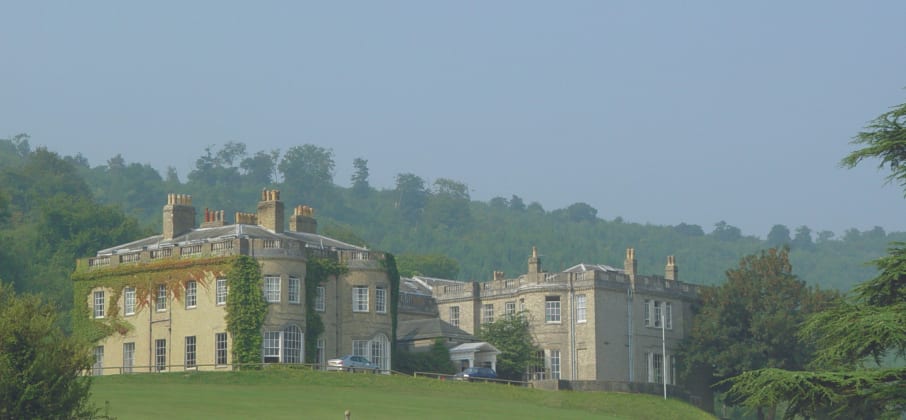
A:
162, 300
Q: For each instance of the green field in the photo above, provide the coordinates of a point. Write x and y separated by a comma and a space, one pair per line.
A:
284, 394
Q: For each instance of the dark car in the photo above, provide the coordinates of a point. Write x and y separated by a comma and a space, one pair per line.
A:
473, 373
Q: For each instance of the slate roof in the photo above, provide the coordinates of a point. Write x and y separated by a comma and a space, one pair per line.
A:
581, 268
213, 234
422, 329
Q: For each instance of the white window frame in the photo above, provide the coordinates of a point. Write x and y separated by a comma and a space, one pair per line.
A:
555, 364
191, 354
272, 289
509, 308
647, 313
552, 309
454, 316
295, 290
271, 343
657, 314
360, 299
128, 357
380, 300
191, 294
160, 303
160, 354
221, 292
129, 301
487, 313
99, 304
668, 315
293, 345
321, 299
581, 308
655, 367
220, 349
97, 369
360, 348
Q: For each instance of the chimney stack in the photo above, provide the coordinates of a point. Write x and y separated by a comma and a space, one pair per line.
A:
303, 220
630, 265
671, 271
179, 215
534, 262
213, 218
270, 210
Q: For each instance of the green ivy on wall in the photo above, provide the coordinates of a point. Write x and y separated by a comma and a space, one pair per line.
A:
317, 271
389, 263
144, 278
246, 309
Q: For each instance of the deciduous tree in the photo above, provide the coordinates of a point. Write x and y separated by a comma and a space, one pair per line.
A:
512, 336
41, 369
847, 379
751, 320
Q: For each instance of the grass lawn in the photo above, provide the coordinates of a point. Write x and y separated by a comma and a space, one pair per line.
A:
284, 394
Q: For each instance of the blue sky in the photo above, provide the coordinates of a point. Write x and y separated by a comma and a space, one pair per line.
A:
656, 112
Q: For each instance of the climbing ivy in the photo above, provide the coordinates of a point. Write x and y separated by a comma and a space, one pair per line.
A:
389, 264
144, 278
245, 309
317, 272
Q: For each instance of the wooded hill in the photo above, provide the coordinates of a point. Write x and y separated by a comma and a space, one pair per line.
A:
54, 209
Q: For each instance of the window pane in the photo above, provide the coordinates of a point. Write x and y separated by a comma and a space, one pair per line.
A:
360, 299
380, 300
161, 301
129, 301
454, 316
191, 294
294, 286
99, 304
160, 355
221, 291
190, 352
320, 299
580, 308
272, 289
271, 347
128, 357
552, 309
292, 344
98, 367
220, 343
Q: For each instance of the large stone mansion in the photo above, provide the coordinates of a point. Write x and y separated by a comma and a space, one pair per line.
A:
165, 296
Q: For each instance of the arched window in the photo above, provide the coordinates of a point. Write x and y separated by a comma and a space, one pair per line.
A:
380, 351
292, 344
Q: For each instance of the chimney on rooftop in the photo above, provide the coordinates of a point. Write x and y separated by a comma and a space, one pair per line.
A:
213, 218
270, 210
179, 215
630, 265
303, 220
671, 272
534, 262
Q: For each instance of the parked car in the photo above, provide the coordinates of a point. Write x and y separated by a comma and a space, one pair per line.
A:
473, 373
352, 363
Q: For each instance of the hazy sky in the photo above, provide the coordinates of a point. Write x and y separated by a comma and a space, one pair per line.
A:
660, 112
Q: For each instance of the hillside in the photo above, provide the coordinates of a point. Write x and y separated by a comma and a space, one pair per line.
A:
55, 209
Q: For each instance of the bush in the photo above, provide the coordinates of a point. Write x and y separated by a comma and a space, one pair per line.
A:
40, 367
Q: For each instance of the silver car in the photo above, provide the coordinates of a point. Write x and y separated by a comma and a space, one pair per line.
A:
352, 363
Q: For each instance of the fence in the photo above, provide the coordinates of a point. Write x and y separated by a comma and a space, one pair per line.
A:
447, 377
